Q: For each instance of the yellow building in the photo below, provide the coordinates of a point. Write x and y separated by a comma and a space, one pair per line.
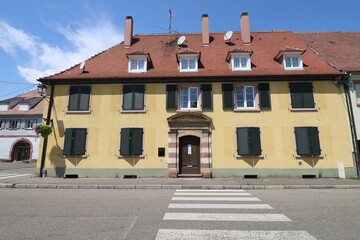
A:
202, 104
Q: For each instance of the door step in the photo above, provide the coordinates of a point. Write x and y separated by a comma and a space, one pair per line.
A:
189, 175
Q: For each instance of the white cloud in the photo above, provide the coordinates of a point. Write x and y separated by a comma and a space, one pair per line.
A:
47, 59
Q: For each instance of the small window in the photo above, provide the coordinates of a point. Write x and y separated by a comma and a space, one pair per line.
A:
357, 91
293, 61
75, 142
302, 96
133, 97
245, 97
24, 107
79, 98
307, 141
248, 141
131, 142
240, 62
15, 124
137, 64
188, 63
2, 124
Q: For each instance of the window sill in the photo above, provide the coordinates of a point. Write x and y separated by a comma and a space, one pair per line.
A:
309, 157
304, 109
240, 69
133, 111
247, 110
247, 156
195, 70
133, 71
74, 156
296, 69
132, 157
78, 112
189, 110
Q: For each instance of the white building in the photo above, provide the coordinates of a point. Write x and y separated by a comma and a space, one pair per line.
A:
18, 117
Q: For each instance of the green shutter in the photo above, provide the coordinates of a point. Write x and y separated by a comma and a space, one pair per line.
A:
302, 141
139, 91
308, 96
171, 97
136, 141
125, 142
255, 144
68, 141
79, 143
127, 98
264, 95
73, 98
243, 142
206, 92
228, 98
314, 140
296, 95
84, 98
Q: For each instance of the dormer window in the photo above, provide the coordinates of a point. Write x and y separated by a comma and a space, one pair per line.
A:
240, 61
138, 63
24, 107
292, 61
188, 63
4, 107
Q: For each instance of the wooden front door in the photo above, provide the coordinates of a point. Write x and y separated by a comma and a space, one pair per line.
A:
189, 154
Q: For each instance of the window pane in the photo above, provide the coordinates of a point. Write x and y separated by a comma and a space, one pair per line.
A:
141, 64
236, 62
287, 62
243, 62
240, 97
193, 97
191, 64
184, 98
249, 96
184, 64
133, 64
295, 62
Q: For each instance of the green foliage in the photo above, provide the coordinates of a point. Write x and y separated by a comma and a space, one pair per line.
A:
44, 130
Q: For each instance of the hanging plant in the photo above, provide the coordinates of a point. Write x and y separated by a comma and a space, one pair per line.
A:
44, 130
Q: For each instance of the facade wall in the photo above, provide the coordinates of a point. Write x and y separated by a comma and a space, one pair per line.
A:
7, 144
276, 125
354, 79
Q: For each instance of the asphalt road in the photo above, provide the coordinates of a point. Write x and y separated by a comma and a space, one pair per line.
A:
17, 170
156, 213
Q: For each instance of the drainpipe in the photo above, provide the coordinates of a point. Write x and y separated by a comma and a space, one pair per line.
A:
345, 83
48, 120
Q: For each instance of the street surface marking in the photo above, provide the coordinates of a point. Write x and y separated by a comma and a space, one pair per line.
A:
220, 206
242, 199
208, 190
12, 176
212, 194
175, 234
227, 217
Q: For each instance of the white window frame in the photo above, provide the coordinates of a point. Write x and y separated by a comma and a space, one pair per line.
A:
254, 100
24, 107
241, 56
293, 56
188, 89
4, 107
137, 58
188, 58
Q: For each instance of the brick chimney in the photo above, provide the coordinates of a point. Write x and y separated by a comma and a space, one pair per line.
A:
245, 28
205, 30
128, 31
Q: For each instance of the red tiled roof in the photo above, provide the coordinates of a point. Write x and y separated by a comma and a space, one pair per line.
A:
32, 98
113, 63
341, 49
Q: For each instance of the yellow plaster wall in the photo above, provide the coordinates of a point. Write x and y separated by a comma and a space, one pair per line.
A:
276, 125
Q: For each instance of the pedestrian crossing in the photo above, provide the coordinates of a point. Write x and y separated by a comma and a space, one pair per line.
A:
12, 175
184, 201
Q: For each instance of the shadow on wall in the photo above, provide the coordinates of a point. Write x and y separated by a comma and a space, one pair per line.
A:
57, 161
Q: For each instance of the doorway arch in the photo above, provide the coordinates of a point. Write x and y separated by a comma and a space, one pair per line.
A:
21, 150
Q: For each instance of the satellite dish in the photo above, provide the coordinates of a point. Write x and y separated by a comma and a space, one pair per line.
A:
228, 35
82, 65
181, 40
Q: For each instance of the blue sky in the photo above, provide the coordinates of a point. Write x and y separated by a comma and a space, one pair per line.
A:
42, 37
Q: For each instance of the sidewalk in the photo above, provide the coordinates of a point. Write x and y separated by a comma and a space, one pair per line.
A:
182, 183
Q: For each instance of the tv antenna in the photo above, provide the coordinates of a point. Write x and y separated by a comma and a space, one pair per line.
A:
170, 17
82, 66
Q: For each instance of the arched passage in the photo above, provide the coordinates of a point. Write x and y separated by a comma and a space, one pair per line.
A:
21, 151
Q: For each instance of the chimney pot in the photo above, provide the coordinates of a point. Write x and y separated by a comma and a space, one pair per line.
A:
128, 31
205, 30
245, 28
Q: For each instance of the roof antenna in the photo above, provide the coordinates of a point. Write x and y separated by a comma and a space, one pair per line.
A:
170, 16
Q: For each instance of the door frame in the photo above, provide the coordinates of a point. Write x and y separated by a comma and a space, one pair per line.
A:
186, 139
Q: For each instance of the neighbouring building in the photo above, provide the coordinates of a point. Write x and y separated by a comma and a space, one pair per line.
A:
18, 118
249, 103
342, 50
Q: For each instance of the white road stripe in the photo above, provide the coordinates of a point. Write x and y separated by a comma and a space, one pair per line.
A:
212, 194
20, 175
220, 206
176, 234
208, 190
8, 174
242, 199
227, 217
